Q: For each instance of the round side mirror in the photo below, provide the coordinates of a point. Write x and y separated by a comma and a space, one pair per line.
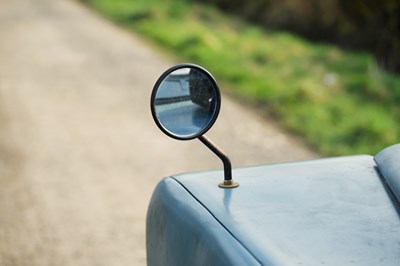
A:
185, 101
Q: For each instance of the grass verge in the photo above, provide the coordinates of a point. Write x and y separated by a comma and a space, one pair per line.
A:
339, 101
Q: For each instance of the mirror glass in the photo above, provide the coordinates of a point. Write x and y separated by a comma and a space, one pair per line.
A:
185, 102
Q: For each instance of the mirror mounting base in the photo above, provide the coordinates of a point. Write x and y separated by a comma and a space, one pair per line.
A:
228, 182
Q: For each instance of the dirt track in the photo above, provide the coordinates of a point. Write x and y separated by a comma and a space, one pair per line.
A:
79, 152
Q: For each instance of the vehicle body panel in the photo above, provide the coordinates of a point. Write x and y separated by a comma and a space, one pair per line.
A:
180, 231
388, 162
323, 212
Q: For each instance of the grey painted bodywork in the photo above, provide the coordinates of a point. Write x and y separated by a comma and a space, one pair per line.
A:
388, 162
335, 211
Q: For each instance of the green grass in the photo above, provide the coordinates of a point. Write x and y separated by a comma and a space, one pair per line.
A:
339, 101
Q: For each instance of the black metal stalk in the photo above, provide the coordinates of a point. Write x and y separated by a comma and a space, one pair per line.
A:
222, 156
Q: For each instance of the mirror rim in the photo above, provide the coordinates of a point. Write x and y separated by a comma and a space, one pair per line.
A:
212, 119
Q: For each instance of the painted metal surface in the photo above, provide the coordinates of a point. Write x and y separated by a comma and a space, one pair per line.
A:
388, 162
323, 212
181, 231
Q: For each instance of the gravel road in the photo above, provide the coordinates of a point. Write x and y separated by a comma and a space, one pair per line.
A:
79, 152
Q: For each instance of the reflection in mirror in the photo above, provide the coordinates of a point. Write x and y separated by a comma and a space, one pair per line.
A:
186, 102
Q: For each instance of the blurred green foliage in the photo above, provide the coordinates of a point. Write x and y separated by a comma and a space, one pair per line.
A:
339, 101
361, 24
